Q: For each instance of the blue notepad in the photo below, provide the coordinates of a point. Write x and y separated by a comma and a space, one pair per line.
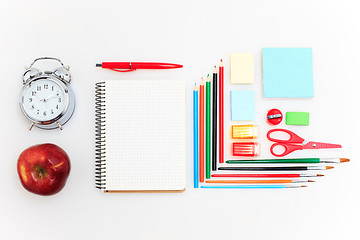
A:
242, 105
287, 73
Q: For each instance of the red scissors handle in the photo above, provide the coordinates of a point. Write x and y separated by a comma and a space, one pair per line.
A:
288, 148
293, 138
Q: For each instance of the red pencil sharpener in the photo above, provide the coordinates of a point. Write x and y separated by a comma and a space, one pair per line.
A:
246, 149
274, 116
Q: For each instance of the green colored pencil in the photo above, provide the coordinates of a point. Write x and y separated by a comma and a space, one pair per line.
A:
293, 160
208, 126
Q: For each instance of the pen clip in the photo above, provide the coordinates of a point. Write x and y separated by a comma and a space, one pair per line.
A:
127, 70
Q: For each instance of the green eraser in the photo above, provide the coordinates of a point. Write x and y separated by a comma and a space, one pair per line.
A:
297, 118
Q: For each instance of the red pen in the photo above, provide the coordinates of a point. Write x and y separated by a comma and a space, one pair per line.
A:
131, 66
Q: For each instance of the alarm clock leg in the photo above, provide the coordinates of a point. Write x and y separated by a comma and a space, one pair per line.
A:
61, 128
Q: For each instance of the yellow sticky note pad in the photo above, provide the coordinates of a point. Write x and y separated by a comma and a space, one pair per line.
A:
242, 68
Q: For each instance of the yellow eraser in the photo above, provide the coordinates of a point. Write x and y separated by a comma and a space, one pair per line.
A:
245, 131
242, 68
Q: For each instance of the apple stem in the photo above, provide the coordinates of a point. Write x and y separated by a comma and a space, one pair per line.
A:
41, 172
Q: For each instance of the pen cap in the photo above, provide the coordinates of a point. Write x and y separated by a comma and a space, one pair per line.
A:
249, 131
246, 149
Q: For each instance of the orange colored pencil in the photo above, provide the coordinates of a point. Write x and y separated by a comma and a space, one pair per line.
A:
259, 181
201, 125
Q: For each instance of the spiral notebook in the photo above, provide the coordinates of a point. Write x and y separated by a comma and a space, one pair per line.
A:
140, 135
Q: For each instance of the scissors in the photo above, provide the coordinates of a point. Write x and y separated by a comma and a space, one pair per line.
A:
294, 142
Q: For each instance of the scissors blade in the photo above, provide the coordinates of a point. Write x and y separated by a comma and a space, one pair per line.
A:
319, 145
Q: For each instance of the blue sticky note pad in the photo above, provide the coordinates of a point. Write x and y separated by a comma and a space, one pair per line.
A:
288, 73
242, 105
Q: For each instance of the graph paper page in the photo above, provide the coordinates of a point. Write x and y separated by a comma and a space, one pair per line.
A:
145, 135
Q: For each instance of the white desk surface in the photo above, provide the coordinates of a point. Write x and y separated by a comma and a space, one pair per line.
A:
196, 34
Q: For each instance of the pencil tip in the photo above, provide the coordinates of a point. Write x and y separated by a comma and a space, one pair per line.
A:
202, 81
311, 181
303, 186
320, 175
329, 167
344, 160
221, 64
98, 65
208, 75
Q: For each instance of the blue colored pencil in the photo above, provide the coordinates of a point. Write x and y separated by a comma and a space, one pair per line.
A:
254, 186
196, 137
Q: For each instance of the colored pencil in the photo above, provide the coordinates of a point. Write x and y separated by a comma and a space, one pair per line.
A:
292, 160
214, 159
253, 186
266, 175
196, 141
201, 132
260, 181
208, 126
275, 168
221, 112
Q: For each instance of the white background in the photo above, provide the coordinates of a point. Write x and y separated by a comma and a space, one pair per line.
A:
196, 34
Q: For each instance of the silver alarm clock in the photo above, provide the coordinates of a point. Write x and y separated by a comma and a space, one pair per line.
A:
46, 98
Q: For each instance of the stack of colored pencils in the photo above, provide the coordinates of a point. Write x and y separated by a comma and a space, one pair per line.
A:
206, 124
272, 178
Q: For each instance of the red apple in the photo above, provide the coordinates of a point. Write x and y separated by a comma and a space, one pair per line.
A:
43, 169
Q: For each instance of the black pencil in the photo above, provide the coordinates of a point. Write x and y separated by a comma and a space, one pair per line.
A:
275, 168
214, 159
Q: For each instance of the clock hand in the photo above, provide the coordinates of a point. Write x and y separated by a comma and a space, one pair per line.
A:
41, 99
52, 95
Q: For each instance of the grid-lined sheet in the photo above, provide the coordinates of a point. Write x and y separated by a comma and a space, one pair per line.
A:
145, 135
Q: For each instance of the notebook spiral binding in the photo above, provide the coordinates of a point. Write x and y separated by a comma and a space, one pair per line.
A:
100, 145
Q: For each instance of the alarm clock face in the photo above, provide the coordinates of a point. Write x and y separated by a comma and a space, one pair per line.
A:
44, 100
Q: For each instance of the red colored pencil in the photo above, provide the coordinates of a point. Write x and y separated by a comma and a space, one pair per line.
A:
221, 112
267, 175
259, 181
201, 169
